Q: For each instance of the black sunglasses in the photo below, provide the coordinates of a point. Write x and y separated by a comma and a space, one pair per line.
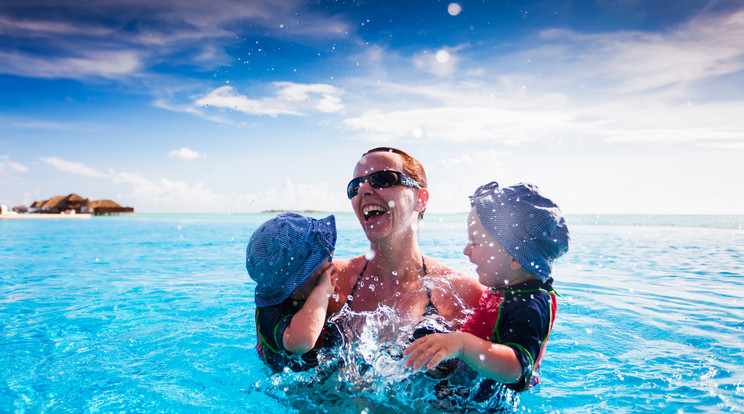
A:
380, 179
486, 189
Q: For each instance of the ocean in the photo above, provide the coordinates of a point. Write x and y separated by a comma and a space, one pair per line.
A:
155, 313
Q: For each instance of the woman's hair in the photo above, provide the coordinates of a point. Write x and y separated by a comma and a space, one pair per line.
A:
411, 167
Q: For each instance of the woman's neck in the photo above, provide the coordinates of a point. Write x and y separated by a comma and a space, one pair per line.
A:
398, 260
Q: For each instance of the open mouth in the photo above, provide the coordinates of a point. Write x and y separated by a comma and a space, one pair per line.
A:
370, 212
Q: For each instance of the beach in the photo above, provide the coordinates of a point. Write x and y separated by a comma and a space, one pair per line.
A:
43, 216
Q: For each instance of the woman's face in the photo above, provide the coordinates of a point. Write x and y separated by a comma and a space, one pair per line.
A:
385, 211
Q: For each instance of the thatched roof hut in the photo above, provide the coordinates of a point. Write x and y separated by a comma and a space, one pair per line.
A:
53, 205
106, 207
77, 204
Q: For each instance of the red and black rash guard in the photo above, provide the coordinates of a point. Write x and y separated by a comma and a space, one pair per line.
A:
271, 322
520, 317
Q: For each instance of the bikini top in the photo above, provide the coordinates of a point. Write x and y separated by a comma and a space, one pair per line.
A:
430, 308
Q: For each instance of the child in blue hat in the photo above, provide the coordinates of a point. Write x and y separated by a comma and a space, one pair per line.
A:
289, 258
514, 234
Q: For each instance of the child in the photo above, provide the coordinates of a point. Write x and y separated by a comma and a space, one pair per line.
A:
514, 235
289, 258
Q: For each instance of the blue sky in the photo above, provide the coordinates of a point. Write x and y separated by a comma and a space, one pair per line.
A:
624, 106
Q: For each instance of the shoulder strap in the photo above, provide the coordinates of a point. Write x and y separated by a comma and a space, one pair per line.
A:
353, 289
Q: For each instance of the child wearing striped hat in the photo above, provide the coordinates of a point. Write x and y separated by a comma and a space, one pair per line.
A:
514, 235
289, 258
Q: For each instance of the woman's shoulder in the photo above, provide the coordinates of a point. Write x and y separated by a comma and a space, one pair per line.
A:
347, 271
350, 266
466, 286
438, 269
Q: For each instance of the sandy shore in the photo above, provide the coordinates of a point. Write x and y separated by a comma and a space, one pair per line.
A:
43, 216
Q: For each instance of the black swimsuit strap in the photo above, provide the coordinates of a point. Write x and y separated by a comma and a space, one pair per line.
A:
430, 308
351, 295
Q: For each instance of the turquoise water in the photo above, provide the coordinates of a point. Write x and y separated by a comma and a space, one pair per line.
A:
155, 314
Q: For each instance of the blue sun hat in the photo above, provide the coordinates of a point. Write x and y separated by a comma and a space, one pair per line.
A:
284, 251
529, 226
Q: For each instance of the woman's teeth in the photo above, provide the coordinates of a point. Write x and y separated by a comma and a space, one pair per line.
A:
371, 211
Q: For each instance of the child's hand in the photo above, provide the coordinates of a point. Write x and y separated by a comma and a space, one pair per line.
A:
433, 348
327, 278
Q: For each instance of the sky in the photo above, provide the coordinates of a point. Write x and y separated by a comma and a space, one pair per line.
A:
227, 106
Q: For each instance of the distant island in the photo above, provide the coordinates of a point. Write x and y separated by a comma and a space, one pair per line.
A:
73, 204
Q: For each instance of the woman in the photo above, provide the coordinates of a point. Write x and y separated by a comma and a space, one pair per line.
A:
389, 196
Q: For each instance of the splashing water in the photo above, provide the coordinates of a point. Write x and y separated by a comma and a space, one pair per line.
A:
366, 372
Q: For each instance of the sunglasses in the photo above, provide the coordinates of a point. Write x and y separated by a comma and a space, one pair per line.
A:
380, 179
486, 189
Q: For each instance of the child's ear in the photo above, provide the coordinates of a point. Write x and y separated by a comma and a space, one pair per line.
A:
423, 199
514, 264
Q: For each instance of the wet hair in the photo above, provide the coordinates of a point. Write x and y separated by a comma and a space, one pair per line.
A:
411, 167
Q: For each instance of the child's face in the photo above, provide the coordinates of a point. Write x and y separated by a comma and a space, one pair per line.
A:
493, 263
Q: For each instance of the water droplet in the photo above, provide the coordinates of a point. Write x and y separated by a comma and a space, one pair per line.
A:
454, 9
370, 255
443, 56
395, 273
391, 203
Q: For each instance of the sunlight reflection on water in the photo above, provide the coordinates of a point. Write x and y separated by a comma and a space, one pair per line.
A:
156, 314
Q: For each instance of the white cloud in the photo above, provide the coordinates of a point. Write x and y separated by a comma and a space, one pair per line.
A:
184, 153
330, 96
442, 62
71, 167
226, 97
290, 99
166, 195
40, 28
643, 61
462, 124
290, 196
5, 160
726, 146
107, 64
634, 87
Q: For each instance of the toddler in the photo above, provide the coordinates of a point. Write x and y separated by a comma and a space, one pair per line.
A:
514, 234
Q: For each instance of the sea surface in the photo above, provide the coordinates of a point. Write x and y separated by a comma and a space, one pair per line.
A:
155, 313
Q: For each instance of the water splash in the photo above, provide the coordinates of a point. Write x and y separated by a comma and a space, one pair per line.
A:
366, 372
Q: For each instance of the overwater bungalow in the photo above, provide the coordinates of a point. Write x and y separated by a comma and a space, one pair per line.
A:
75, 204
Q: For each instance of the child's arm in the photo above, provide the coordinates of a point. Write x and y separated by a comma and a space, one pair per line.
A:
492, 360
305, 327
